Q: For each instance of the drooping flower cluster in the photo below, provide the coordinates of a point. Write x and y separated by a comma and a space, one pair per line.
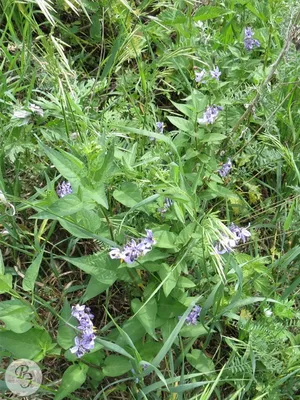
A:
249, 42
227, 244
63, 189
85, 341
210, 115
191, 319
225, 169
133, 250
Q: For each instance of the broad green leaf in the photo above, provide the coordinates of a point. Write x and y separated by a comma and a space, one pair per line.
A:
129, 194
32, 272
16, 315
100, 266
200, 361
184, 282
70, 167
165, 239
193, 330
73, 378
65, 333
5, 283
182, 124
32, 344
116, 366
67, 205
147, 315
94, 288
97, 194
212, 138
171, 282
209, 12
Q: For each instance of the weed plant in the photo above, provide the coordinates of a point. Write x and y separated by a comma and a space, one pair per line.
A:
149, 197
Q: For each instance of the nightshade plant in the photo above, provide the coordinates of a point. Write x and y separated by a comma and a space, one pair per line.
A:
125, 116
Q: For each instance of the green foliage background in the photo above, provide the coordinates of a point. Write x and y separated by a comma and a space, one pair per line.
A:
104, 73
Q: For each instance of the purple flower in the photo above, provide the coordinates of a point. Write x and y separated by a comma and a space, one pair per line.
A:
191, 319
227, 244
133, 250
249, 42
210, 115
241, 233
160, 126
248, 33
215, 73
199, 76
225, 169
85, 341
63, 189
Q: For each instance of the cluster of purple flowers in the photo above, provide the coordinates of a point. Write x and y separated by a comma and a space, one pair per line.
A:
225, 169
191, 319
133, 250
210, 115
85, 341
63, 189
215, 73
227, 244
249, 42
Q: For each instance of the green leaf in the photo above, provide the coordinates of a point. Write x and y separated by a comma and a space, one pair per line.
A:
128, 195
184, 282
147, 316
65, 333
289, 219
171, 282
182, 124
209, 12
5, 283
73, 378
32, 344
16, 315
68, 165
165, 239
212, 138
94, 288
116, 365
193, 330
100, 266
200, 361
97, 194
67, 205
32, 272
